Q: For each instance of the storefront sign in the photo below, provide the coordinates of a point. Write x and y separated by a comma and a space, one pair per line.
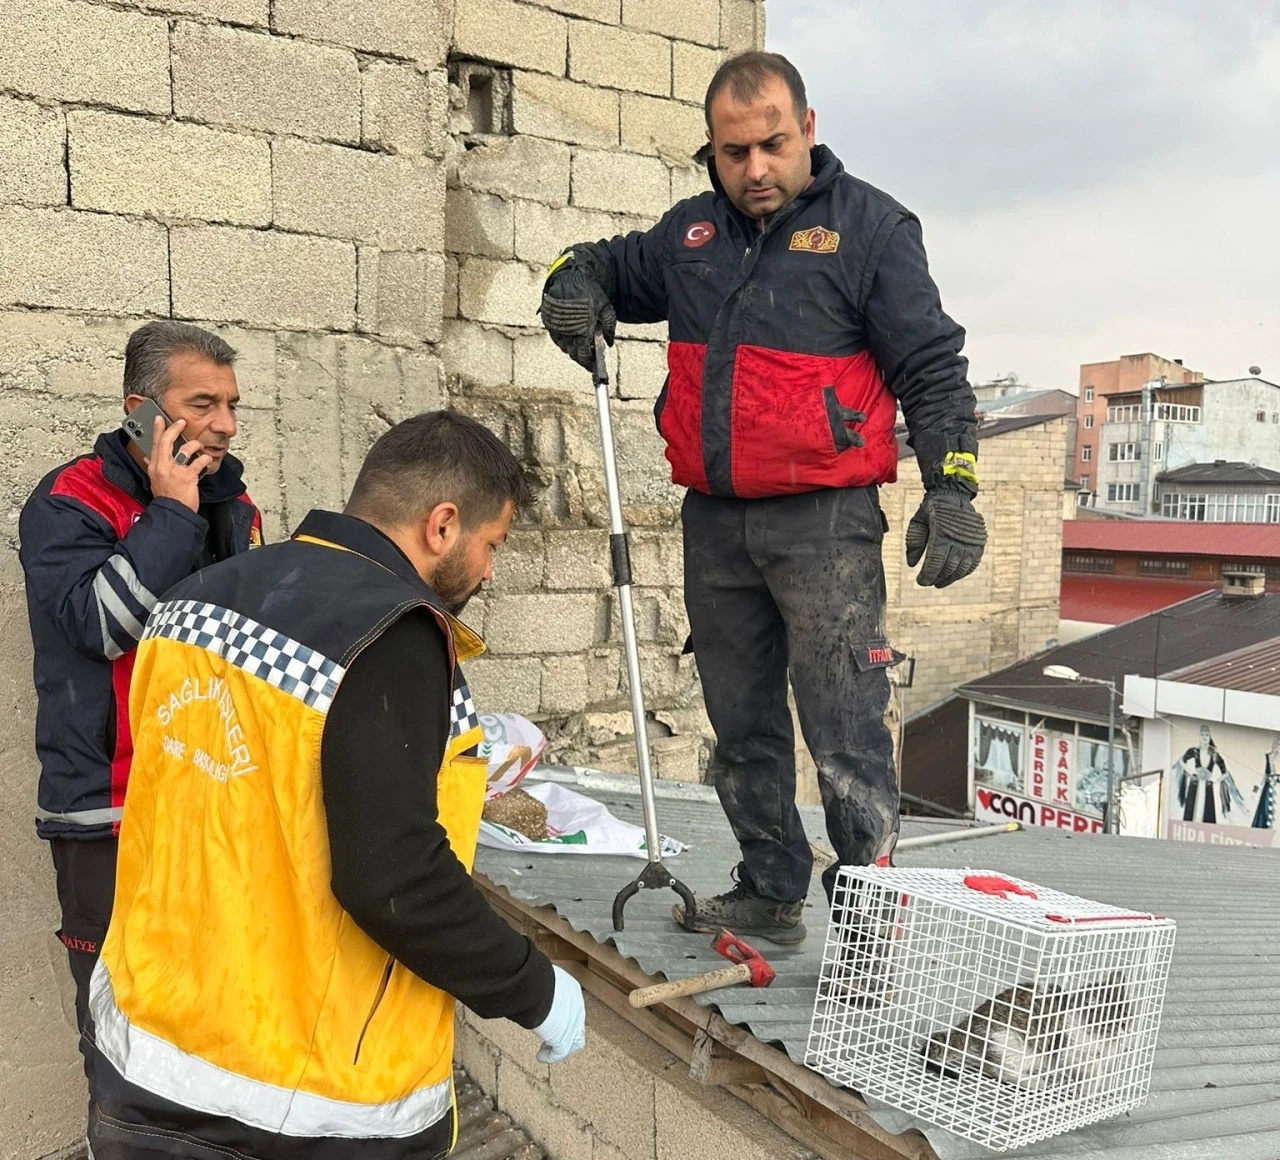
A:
992, 806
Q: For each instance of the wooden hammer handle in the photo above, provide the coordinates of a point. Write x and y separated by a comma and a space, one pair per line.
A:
713, 980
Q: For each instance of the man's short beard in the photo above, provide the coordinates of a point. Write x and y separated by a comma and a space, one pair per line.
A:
451, 583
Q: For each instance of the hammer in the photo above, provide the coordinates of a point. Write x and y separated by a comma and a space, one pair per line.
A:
749, 967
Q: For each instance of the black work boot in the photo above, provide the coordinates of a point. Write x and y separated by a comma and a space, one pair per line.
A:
748, 914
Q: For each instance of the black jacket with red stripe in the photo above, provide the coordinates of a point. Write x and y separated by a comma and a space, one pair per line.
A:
98, 550
789, 345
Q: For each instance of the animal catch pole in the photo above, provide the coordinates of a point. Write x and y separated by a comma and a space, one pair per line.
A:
655, 876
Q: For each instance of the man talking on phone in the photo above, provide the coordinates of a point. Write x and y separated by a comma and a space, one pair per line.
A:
102, 537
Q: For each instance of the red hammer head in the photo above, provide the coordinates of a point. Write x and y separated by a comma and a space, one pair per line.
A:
737, 951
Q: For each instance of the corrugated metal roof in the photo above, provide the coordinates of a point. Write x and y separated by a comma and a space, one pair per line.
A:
1220, 471
1216, 1086
1119, 599
1251, 670
1195, 631
1173, 538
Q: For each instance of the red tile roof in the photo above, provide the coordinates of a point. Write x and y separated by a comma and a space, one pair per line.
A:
1119, 599
1174, 538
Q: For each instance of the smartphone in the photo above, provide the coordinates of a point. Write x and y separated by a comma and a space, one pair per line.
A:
140, 424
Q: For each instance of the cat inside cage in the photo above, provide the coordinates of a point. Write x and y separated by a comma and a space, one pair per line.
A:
1032, 1036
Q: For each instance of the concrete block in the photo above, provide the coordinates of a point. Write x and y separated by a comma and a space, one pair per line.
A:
414, 29
421, 382
696, 20
503, 292
518, 167
251, 13
590, 1081
564, 1135
692, 68
605, 11
396, 202
678, 759
257, 446
604, 675
544, 106
271, 83
642, 369
657, 558
518, 35
741, 25
479, 223
521, 563
559, 623
688, 181
82, 261
658, 125
475, 1056
506, 685
564, 684
540, 364
450, 286
695, 1120
266, 279
475, 353
63, 354
542, 233
86, 52
307, 374
401, 293
131, 165
32, 139
619, 58
403, 109
621, 182
578, 559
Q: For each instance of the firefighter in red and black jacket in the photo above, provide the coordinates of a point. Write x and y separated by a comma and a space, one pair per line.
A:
102, 538
801, 312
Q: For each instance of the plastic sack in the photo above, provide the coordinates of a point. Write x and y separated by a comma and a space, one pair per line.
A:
575, 825
512, 746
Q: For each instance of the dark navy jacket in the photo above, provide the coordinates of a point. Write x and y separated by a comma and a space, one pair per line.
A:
789, 346
98, 550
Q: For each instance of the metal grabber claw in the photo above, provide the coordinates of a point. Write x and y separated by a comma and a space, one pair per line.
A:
655, 876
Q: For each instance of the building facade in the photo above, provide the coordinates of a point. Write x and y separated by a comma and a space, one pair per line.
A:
1220, 492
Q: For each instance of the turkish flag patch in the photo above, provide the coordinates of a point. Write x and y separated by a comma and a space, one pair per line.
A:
699, 234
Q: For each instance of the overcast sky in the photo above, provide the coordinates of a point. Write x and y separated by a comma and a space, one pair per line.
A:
1094, 178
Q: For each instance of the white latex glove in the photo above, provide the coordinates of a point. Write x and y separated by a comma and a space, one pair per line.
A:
564, 1030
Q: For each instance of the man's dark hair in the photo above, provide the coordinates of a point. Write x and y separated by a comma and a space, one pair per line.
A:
434, 458
748, 72
147, 354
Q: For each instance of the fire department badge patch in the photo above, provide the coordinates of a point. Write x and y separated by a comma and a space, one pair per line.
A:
817, 240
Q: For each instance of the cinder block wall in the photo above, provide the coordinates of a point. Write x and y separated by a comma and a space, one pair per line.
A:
362, 198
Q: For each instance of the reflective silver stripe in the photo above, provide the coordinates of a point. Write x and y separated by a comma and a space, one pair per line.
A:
110, 649
140, 592
159, 1067
81, 817
109, 601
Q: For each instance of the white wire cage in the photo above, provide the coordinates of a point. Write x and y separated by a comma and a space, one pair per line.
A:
1002, 1011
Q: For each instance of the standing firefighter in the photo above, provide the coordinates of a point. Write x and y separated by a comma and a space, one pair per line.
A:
801, 311
294, 910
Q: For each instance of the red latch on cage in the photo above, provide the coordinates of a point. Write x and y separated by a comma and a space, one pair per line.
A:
994, 885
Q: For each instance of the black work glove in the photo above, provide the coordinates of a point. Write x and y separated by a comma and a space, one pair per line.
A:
949, 533
575, 306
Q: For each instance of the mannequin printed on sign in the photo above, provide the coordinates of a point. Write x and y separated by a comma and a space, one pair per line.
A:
1264, 817
1204, 784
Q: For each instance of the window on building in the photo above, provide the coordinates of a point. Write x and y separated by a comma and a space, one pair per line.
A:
1275, 416
1180, 505
1084, 482
1247, 508
1086, 454
1084, 498
1088, 394
1163, 566
1088, 562
1125, 413
1088, 422
1272, 513
1259, 567
1123, 493
1157, 453
1124, 452
1261, 416
1177, 413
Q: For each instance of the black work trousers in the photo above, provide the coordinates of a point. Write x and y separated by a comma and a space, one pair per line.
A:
794, 585
86, 874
